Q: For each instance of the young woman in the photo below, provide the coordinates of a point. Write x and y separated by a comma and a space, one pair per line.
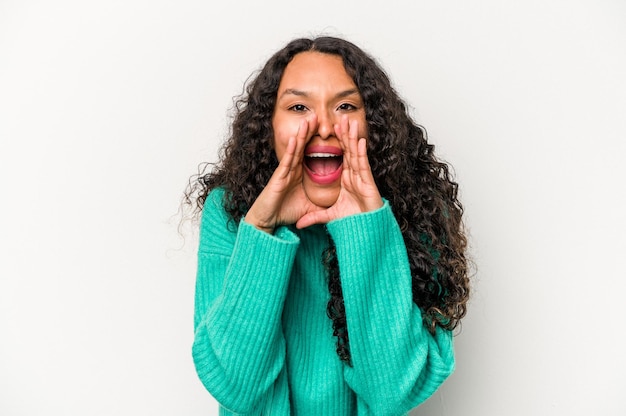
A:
331, 264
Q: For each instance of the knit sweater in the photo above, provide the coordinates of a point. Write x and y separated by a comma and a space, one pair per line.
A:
263, 342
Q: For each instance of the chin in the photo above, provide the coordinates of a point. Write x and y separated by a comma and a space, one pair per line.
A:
322, 197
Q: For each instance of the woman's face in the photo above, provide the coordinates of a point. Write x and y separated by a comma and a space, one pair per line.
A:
317, 84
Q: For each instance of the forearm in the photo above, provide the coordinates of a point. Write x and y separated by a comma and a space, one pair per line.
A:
396, 362
238, 347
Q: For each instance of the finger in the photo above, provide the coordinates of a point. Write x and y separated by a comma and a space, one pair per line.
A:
300, 139
341, 130
284, 166
311, 218
363, 161
353, 146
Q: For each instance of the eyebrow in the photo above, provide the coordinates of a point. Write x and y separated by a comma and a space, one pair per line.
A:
300, 93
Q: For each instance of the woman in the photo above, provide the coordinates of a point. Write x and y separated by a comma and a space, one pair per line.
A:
331, 264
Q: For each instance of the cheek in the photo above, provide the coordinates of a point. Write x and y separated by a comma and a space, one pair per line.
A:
280, 144
363, 130
282, 131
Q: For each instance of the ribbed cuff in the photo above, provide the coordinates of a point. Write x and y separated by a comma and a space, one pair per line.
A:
362, 237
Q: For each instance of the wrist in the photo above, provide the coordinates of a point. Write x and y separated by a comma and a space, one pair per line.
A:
260, 225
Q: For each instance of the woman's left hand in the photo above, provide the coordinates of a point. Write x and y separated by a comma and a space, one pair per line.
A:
359, 192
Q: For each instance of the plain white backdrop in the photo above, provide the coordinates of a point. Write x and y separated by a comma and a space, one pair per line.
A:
107, 108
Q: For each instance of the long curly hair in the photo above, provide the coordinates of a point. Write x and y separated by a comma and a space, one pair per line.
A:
418, 186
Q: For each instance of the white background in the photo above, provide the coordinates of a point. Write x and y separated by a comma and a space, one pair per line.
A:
107, 108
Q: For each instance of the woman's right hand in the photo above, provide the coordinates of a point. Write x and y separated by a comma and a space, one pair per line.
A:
283, 200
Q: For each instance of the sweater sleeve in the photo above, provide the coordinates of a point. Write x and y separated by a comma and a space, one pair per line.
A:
396, 363
241, 284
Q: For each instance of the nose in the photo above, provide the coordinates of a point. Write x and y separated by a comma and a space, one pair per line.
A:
325, 125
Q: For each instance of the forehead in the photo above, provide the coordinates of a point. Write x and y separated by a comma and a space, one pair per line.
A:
315, 69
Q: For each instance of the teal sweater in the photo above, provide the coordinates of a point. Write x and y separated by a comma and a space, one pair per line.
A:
263, 343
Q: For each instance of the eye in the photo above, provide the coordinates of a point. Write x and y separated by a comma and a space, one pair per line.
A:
346, 107
298, 108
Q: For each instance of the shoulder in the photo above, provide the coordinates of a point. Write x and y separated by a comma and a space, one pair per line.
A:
216, 223
215, 197
214, 207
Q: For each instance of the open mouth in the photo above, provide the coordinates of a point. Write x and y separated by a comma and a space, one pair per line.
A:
323, 163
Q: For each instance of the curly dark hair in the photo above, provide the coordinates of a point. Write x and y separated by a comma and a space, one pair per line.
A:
418, 186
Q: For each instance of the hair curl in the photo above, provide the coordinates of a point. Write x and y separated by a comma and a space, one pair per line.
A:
419, 187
